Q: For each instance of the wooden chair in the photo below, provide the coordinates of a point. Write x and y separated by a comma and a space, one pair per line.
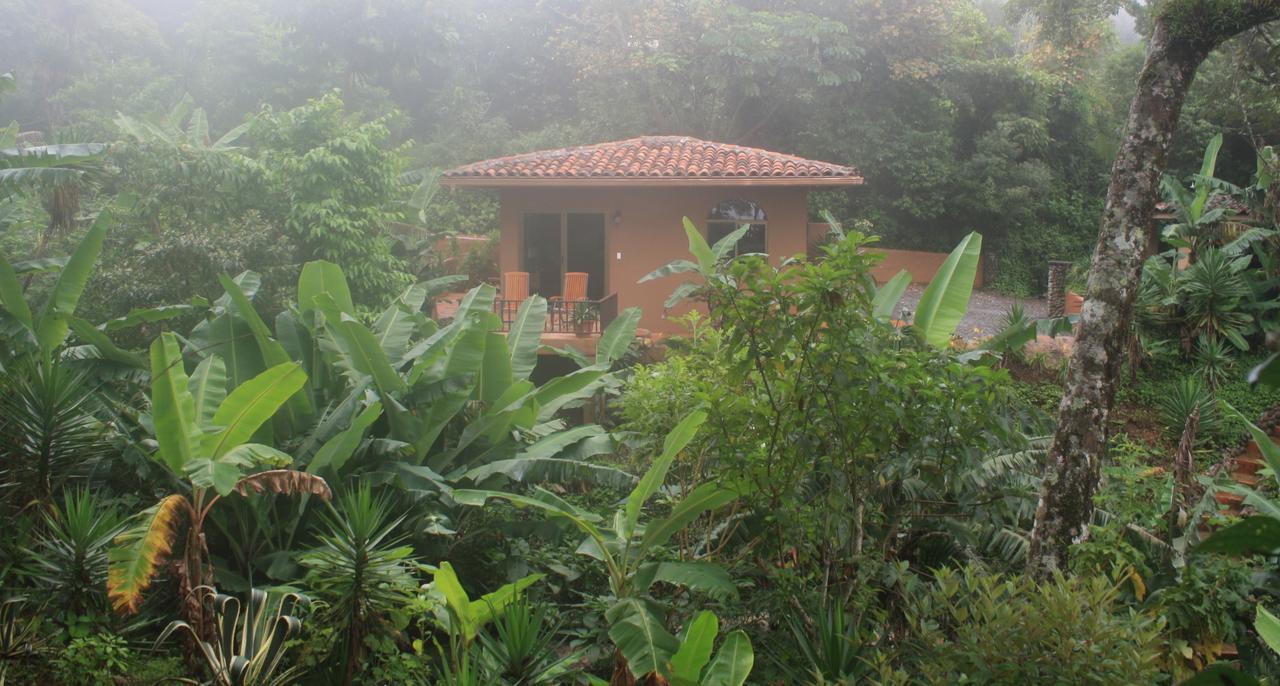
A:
515, 290
575, 290
575, 286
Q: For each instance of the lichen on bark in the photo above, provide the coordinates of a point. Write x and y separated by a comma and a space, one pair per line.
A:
1176, 48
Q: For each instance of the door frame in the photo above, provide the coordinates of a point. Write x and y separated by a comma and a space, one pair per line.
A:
564, 241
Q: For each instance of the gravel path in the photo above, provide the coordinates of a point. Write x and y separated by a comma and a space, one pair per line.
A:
986, 310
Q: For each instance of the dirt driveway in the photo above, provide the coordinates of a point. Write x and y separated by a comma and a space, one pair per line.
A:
986, 310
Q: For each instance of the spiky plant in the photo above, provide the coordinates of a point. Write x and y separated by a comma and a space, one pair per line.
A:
250, 642
69, 560
203, 435
1186, 396
49, 431
1214, 360
361, 571
522, 650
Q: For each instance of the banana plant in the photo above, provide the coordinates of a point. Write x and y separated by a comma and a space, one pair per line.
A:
689, 665
401, 400
1195, 218
169, 129
204, 436
464, 617
626, 549
1256, 534
943, 304
37, 332
706, 264
250, 642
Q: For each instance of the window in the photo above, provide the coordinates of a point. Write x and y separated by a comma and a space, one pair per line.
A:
726, 217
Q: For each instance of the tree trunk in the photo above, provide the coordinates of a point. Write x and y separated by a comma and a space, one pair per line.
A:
1079, 444
1185, 33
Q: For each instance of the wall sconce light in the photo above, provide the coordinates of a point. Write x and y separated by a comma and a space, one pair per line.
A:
617, 217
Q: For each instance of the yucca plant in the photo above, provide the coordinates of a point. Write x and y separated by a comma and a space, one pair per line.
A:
1213, 294
362, 572
20, 634
522, 648
203, 434
464, 618
1213, 360
1185, 396
48, 424
250, 642
69, 561
834, 647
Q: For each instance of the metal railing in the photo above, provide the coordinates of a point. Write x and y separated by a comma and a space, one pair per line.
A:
582, 317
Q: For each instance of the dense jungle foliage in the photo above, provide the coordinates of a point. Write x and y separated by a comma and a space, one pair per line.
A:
238, 447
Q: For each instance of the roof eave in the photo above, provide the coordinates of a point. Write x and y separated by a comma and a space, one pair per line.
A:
647, 181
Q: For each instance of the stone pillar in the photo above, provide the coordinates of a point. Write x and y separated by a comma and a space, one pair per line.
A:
1057, 295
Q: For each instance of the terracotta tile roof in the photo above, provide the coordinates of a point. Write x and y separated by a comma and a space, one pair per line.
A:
670, 158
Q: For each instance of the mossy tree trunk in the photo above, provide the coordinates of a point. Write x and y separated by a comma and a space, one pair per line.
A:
1184, 33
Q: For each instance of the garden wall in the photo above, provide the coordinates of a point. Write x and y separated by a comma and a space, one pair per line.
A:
921, 265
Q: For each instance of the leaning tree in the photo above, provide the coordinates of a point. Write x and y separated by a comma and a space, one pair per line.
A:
1182, 34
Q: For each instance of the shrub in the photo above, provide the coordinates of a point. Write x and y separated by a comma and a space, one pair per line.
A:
972, 627
93, 660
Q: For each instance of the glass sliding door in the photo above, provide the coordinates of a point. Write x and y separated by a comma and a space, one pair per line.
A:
559, 242
542, 252
584, 249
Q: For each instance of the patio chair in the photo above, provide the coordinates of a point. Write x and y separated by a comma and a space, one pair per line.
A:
575, 290
515, 290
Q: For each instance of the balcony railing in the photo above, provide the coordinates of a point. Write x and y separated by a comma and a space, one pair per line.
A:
582, 317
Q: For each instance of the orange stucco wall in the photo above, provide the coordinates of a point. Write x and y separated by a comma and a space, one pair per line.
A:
922, 266
650, 233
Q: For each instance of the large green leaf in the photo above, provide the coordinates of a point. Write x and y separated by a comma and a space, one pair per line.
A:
471, 615
106, 348
695, 650
699, 249
147, 315
52, 326
12, 298
461, 369
252, 404
455, 597
321, 277
653, 479
724, 247
489, 605
562, 390
733, 663
368, 356
495, 372
617, 337
1268, 628
208, 385
333, 455
273, 353
525, 333
704, 498
699, 576
946, 298
888, 295
645, 644
173, 409
396, 324
670, 268
547, 502
1257, 534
